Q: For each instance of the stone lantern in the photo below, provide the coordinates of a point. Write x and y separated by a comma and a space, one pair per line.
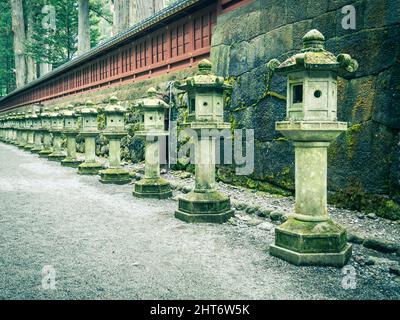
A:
3, 128
38, 133
30, 134
206, 107
56, 129
13, 128
114, 131
23, 135
153, 110
309, 236
71, 130
89, 131
45, 118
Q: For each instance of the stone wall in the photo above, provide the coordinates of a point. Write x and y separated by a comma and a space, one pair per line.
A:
364, 163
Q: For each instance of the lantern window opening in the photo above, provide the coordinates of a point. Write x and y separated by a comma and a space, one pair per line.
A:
297, 93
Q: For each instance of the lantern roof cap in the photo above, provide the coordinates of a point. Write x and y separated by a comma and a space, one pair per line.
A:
313, 56
45, 113
152, 101
204, 78
114, 106
88, 109
69, 111
56, 113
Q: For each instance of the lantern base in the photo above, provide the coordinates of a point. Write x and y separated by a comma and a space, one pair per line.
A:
56, 156
71, 162
28, 147
89, 168
152, 188
114, 176
45, 153
36, 149
311, 243
212, 207
21, 145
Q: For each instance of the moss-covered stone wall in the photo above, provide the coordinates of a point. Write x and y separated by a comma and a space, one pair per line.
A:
364, 163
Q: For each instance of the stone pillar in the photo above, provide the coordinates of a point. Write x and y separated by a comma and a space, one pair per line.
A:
152, 128
57, 126
114, 132
89, 132
310, 236
71, 129
47, 144
206, 102
38, 145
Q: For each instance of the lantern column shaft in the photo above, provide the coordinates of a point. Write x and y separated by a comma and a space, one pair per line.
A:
311, 180
90, 149
205, 164
152, 158
71, 147
115, 153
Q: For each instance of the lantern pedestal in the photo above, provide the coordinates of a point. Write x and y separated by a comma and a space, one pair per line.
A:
38, 142
57, 154
152, 185
90, 166
30, 145
46, 150
309, 236
115, 174
204, 203
23, 140
71, 160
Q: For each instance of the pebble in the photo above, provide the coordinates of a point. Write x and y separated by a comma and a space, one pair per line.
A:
372, 216
266, 226
186, 189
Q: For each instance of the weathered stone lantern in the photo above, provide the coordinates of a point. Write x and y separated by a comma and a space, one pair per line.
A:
206, 106
30, 133
23, 134
45, 118
152, 128
56, 129
3, 128
114, 131
38, 133
71, 130
13, 127
309, 236
89, 131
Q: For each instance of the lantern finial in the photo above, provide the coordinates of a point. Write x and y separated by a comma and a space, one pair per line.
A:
313, 39
205, 66
151, 92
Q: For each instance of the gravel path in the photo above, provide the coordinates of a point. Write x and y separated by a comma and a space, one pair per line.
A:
103, 243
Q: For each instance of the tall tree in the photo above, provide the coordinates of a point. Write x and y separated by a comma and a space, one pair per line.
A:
18, 28
30, 60
7, 75
83, 27
121, 15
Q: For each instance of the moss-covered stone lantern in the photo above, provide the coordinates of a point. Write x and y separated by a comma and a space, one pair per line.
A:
206, 110
310, 236
71, 130
45, 118
3, 128
13, 128
151, 129
56, 129
89, 132
114, 131
38, 133
29, 118
23, 133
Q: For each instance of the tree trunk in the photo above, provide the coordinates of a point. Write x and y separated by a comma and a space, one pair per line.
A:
30, 61
121, 15
83, 27
18, 28
146, 8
